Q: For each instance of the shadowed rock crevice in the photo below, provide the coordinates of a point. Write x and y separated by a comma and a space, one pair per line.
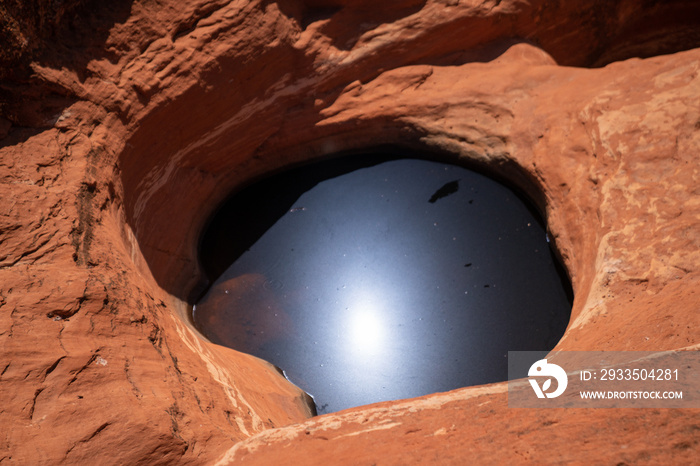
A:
43, 34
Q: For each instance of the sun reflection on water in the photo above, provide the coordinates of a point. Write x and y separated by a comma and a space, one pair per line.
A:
366, 330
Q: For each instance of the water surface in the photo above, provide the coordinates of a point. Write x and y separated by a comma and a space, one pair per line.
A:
390, 281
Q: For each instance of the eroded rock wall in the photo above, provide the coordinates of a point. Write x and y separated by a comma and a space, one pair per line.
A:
118, 145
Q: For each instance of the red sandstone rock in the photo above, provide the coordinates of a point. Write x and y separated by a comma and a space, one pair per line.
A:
120, 148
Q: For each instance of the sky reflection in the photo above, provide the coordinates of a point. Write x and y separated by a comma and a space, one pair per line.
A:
375, 285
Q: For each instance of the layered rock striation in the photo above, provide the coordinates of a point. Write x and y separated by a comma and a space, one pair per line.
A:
126, 124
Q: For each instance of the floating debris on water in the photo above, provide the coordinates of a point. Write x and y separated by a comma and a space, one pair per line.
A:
446, 189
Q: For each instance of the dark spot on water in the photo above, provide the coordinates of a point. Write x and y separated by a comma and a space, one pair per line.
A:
446, 189
373, 302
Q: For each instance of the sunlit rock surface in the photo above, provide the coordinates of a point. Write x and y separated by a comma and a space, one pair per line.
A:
128, 122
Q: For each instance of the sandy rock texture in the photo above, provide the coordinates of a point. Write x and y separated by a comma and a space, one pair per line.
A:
126, 123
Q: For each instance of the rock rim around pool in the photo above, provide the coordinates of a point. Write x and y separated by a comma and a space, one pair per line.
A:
125, 124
